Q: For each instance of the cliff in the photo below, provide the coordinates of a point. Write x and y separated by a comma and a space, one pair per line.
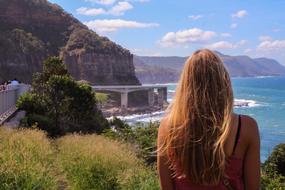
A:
32, 30
168, 69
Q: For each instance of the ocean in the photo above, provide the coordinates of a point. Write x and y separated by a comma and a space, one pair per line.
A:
265, 101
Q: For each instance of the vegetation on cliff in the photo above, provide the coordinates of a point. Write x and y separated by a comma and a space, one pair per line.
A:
44, 29
59, 105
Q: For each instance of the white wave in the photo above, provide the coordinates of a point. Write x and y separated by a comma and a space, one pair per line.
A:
246, 103
157, 116
171, 91
131, 119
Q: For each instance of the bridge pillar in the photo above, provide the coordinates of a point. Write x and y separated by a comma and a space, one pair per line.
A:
151, 97
124, 100
162, 96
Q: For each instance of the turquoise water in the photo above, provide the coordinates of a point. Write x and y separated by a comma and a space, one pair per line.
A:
267, 105
269, 112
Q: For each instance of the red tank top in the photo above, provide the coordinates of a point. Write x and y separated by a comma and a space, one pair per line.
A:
233, 172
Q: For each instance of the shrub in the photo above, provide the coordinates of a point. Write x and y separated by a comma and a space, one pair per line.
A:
60, 105
142, 135
273, 169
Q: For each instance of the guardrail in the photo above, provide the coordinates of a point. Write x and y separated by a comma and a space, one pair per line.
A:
8, 99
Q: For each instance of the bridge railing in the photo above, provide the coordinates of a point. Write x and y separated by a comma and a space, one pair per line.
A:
8, 99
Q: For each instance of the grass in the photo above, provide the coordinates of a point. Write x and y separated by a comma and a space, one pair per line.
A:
29, 160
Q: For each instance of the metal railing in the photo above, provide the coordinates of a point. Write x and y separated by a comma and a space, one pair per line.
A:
8, 100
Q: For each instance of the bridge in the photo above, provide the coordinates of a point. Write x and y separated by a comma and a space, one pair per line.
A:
159, 90
8, 99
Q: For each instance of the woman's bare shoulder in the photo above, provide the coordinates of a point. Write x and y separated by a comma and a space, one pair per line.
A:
250, 127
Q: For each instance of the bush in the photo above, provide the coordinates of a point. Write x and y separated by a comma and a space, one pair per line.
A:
276, 161
60, 105
142, 135
273, 169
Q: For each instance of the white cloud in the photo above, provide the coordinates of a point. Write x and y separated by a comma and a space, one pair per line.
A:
90, 12
248, 50
141, 1
221, 45
102, 2
196, 17
239, 14
226, 35
265, 38
226, 45
113, 25
276, 30
276, 45
120, 8
234, 26
111, 2
117, 10
183, 37
241, 43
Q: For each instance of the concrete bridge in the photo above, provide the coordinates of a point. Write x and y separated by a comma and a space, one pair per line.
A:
8, 99
160, 90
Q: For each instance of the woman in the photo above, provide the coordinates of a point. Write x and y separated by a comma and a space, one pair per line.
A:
202, 144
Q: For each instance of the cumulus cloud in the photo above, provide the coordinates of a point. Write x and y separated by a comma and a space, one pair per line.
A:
111, 2
234, 26
220, 45
102, 2
226, 35
248, 50
183, 37
276, 45
120, 8
196, 17
265, 38
239, 14
113, 25
226, 45
90, 12
117, 10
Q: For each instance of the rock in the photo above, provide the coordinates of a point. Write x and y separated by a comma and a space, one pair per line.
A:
32, 30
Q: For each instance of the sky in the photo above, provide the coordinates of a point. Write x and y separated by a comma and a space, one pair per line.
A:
178, 27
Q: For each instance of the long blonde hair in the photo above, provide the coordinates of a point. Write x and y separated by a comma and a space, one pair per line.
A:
198, 120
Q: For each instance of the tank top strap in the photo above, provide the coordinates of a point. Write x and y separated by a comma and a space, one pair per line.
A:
237, 135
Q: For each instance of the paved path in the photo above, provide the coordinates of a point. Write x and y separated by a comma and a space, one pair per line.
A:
14, 122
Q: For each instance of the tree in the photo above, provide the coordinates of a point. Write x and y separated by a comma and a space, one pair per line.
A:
59, 104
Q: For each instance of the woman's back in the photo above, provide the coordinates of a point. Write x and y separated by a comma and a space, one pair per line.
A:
243, 130
202, 144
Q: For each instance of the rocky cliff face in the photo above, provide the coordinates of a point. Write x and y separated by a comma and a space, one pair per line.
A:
32, 30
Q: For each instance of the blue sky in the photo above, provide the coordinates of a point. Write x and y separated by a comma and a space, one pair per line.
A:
179, 27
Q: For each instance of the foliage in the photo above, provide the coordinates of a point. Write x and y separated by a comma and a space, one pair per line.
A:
101, 97
273, 169
59, 105
276, 161
143, 135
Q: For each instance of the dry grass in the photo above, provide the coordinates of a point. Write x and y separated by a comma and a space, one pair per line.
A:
29, 160
26, 159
